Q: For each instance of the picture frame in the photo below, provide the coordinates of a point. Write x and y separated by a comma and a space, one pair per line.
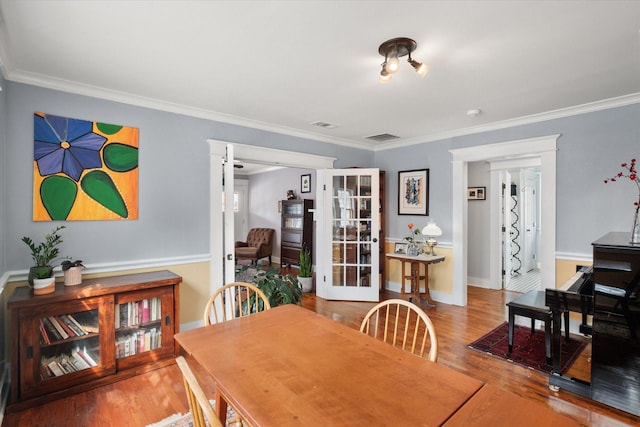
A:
305, 183
400, 248
476, 193
413, 192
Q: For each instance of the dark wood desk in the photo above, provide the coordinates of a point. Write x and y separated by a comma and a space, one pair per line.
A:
491, 406
412, 263
289, 365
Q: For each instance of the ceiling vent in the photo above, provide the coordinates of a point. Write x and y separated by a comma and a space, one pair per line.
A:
324, 125
382, 137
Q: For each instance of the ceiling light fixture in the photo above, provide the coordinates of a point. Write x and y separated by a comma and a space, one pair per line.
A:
394, 49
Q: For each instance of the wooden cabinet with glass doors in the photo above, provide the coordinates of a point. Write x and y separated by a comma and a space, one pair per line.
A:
83, 336
297, 230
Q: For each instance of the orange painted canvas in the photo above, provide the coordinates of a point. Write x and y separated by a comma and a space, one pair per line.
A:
84, 170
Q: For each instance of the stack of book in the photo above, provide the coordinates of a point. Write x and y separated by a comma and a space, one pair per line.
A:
138, 312
138, 341
58, 328
62, 364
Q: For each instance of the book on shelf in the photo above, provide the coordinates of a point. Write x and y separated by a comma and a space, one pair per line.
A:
88, 321
134, 313
52, 333
58, 327
44, 338
74, 324
137, 341
62, 364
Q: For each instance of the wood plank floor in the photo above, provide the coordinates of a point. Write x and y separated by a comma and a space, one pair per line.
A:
155, 395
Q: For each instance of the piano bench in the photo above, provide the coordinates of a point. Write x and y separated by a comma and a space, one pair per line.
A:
532, 305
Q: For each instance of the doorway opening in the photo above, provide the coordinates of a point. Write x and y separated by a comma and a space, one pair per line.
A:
520, 197
541, 150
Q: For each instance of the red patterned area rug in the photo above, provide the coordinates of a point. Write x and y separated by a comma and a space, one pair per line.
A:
528, 348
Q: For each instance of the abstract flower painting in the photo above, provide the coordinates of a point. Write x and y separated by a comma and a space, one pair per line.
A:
84, 170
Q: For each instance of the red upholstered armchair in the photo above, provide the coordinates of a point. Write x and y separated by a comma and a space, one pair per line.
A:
259, 245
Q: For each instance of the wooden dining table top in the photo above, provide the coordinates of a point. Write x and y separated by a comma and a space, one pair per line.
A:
492, 406
291, 366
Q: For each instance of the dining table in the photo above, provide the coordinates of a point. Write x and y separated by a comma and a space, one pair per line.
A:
289, 366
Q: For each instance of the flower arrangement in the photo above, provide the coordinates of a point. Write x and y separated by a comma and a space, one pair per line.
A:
631, 173
413, 232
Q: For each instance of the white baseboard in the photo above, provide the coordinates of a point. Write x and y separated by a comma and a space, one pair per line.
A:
479, 282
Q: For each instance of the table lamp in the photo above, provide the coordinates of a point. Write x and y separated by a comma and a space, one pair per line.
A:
431, 230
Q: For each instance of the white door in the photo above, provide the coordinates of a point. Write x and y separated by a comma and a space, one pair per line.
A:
351, 229
221, 238
506, 228
530, 214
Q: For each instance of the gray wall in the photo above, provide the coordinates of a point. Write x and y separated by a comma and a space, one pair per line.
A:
266, 189
478, 251
591, 148
173, 179
174, 176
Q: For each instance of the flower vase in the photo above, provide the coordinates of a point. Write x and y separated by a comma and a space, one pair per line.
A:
635, 230
412, 249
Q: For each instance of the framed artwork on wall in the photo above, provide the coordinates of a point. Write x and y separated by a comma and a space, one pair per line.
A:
305, 183
84, 170
413, 192
476, 193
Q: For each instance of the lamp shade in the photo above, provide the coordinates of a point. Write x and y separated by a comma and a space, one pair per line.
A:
431, 229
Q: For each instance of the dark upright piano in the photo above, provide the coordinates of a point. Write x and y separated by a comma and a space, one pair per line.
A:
610, 291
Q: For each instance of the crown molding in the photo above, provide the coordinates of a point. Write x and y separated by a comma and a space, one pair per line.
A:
21, 76
69, 86
605, 104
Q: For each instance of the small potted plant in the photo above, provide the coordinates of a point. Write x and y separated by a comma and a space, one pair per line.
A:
72, 272
304, 275
43, 254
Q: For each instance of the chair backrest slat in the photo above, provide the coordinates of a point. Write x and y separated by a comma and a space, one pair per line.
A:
237, 299
395, 316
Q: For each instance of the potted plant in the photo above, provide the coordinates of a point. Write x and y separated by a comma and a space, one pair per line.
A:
278, 288
304, 275
72, 272
41, 275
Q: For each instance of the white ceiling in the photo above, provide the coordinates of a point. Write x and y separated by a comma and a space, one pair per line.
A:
282, 65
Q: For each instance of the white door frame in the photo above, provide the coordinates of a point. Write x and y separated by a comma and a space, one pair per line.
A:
250, 154
541, 147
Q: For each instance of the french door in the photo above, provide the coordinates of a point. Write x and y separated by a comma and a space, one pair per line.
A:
351, 229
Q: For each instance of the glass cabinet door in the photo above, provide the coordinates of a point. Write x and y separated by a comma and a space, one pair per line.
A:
70, 342
142, 321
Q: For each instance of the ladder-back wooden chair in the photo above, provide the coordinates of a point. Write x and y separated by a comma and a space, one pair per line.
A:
239, 298
199, 405
401, 323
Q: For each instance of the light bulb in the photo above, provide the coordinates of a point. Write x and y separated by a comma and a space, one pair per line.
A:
393, 65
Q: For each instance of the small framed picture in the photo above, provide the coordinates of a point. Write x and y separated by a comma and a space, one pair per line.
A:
305, 183
400, 248
476, 193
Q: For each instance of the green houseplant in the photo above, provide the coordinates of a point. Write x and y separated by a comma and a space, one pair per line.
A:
43, 254
278, 288
304, 275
